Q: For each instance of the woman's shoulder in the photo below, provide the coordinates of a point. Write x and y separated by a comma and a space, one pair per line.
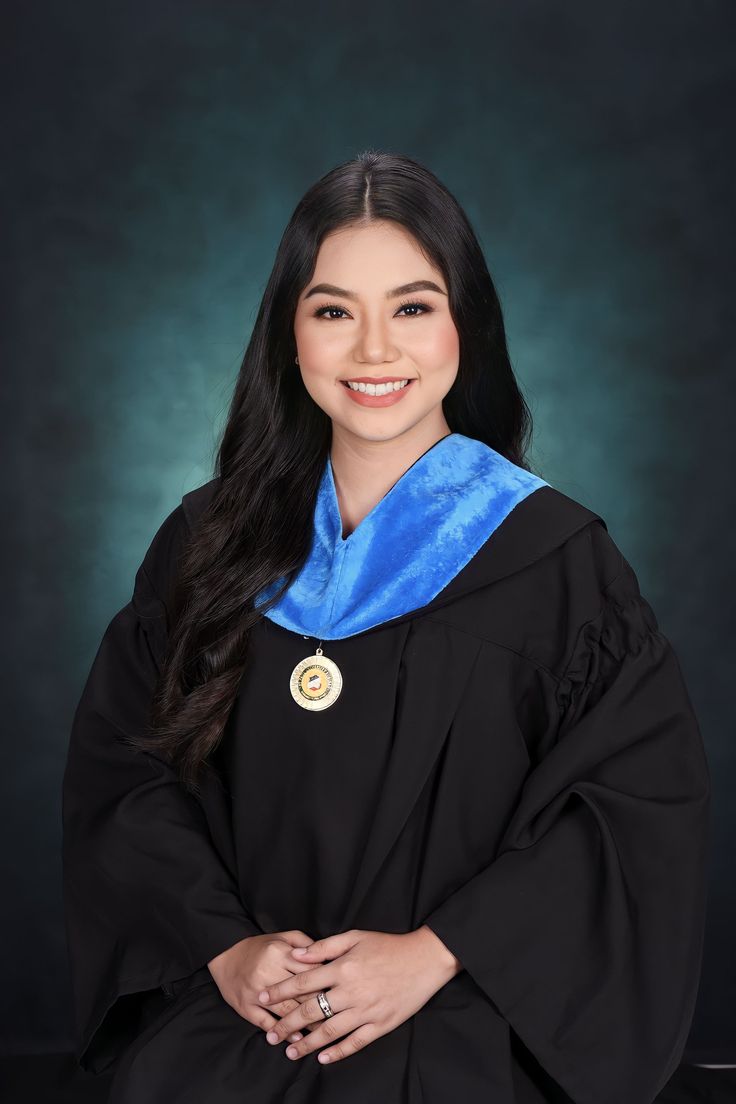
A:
572, 544
552, 544
588, 594
194, 503
550, 568
169, 540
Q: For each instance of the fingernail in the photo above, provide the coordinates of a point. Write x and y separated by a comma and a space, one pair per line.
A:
300, 950
272, 1037
291, 1052
296, 1036
263, 996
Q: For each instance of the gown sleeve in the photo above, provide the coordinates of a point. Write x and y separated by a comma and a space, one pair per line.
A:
147, 897
586, 931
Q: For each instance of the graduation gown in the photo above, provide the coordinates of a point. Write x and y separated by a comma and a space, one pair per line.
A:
513, 760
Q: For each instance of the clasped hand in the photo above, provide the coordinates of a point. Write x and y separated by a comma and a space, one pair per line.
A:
374, 981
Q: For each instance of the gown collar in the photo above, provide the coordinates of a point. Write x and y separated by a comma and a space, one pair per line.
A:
408, 548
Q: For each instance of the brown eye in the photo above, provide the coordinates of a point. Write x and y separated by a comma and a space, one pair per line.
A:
330, 307
423, 307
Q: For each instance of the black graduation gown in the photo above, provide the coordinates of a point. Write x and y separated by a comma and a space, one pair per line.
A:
517, 765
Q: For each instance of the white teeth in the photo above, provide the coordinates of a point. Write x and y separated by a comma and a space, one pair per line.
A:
377, 388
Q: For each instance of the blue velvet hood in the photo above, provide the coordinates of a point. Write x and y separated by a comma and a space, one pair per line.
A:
414, 541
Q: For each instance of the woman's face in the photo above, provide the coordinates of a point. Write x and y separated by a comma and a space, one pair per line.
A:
360, 318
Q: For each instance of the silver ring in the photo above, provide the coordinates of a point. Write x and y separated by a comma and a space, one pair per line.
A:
325, 1005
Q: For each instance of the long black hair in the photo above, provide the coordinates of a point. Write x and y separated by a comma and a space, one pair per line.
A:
257, 527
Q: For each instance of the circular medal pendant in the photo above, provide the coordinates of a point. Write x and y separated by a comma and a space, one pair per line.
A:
316, 682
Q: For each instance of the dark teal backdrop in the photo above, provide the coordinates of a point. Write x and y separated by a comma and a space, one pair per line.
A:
154, 152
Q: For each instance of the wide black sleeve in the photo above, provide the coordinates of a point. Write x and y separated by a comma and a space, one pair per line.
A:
586, 931
147, 897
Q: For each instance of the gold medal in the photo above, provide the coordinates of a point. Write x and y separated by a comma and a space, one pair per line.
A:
316, 681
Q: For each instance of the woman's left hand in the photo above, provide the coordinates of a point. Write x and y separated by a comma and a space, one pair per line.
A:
376, 981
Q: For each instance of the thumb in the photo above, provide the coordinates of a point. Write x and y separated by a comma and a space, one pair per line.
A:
331, 947
295, 937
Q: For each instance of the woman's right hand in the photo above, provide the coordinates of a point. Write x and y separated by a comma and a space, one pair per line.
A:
253, 964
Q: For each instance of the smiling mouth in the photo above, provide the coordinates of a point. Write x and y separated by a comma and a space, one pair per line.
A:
379, 387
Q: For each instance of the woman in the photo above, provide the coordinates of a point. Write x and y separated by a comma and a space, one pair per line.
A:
385, 785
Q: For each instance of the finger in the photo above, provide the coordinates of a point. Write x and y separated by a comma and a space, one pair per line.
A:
350, 1045
305, 981
308, 1013
295, 937
261, 1019
284, 1007
328, 1032
295, 967
266, 1022
331, 947
315, 1023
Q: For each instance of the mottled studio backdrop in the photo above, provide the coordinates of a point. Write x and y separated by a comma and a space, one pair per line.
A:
152, 155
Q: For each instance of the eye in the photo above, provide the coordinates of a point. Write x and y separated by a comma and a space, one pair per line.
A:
330, 307
412, 304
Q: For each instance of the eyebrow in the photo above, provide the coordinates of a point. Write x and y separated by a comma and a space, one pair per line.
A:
404, 289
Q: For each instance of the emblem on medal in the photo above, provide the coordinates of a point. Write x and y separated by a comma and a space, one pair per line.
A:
316, 682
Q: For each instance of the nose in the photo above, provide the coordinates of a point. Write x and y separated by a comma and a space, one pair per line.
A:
374, 344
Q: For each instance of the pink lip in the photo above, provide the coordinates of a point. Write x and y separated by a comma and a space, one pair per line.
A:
362, 398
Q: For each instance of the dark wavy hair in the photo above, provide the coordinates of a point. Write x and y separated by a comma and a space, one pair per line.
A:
257, 527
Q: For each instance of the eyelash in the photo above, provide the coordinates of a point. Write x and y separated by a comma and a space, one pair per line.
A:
409, 303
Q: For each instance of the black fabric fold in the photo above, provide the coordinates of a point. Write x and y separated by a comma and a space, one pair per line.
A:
148, 899
586, 931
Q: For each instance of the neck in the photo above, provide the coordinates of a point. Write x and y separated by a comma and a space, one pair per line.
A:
365, 470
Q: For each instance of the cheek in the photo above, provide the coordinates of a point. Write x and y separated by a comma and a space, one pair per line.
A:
319, 357
320, 364
442, 348
316, 340
449, 340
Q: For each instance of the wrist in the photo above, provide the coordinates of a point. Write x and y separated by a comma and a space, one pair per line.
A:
448, 963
